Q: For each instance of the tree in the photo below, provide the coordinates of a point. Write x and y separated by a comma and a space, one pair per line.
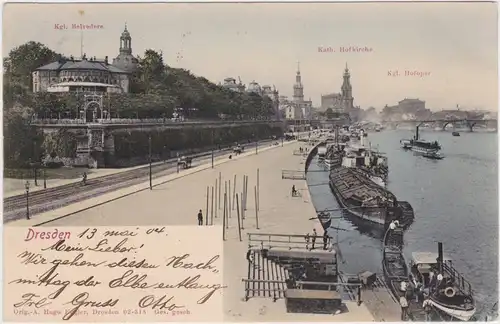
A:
21, 141
24, 59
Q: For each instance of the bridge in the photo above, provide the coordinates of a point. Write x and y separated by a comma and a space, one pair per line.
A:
469, 122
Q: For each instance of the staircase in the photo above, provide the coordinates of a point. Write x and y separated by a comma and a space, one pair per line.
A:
266, 278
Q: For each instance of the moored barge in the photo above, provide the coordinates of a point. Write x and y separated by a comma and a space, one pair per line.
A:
363, 198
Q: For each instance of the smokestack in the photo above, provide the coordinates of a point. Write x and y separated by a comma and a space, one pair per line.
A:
440, 257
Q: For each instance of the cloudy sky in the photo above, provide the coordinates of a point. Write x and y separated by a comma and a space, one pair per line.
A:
453, 44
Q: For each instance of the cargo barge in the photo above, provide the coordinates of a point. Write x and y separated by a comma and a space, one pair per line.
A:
363, 198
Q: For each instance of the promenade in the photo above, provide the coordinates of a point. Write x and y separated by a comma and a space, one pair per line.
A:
178, 201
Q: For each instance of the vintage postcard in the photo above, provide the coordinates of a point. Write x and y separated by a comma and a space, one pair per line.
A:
250, 162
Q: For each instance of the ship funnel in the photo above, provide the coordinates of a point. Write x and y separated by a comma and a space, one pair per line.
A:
440, 257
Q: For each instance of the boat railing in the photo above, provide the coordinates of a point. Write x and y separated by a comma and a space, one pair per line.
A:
289, 241
458, 279
293, 174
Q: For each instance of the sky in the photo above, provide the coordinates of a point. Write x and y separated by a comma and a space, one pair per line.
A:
453, 46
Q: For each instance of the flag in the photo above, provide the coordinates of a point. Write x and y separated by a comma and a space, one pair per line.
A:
81, 12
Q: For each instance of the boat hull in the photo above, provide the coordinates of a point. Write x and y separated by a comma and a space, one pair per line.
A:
460, 314
375, 216
422, 150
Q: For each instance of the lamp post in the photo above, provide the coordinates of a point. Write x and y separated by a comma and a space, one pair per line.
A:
150, 166
256, 144
44, 179
27, 187
212, 148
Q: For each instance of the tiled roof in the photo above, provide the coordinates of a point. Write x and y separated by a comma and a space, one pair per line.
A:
80, 65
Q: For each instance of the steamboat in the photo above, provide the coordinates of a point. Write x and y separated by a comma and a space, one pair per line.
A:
372, 164
322, 151
449, 292
421, 146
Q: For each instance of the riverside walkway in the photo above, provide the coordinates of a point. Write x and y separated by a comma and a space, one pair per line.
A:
178, 199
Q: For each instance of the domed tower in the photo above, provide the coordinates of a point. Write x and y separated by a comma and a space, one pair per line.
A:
125, 60
347, 99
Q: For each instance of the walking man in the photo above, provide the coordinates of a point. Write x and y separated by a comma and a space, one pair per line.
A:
307, 241
200, 218
325, 241
314, 234
404, 308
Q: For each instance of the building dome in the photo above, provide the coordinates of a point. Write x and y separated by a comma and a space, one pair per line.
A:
254, 87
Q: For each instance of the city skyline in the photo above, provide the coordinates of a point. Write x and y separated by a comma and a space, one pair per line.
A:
452, 45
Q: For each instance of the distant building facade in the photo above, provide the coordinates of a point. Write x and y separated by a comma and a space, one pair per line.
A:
88, 74
406, 109
331, 100
411, 105
342, 102
292, 111
254, 87
230, 83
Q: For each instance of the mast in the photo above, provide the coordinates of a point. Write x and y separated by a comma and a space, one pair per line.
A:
81, 13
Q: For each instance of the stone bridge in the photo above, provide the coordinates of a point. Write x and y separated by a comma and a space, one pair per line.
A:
442, 123
95, 141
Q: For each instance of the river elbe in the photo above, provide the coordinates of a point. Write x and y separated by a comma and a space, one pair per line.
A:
455, 202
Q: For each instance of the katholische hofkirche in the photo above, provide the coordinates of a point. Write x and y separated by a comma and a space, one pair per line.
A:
89, 74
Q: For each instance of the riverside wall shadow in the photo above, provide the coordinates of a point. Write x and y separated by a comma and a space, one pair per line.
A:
311, 155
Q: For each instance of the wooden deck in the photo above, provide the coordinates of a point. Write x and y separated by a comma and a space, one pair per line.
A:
381, 303
293, 175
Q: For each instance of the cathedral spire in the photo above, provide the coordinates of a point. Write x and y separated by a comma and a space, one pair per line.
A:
298, 67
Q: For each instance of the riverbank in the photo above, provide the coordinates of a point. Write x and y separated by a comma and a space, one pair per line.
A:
177, 203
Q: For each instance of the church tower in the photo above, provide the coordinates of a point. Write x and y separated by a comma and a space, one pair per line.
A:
125, 60
347, 99
126, 42
298, 88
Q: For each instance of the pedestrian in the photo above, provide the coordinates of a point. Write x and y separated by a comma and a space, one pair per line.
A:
84, 178
325, 241
404, 286
249, 256
404, 308
200, 218
431, 278
314, 234
439, 280
427, 309
307, 241
294, 191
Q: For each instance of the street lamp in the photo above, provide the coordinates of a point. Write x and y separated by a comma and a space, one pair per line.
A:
27, 187
44, 179
256, 144
150, 166
212, 148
